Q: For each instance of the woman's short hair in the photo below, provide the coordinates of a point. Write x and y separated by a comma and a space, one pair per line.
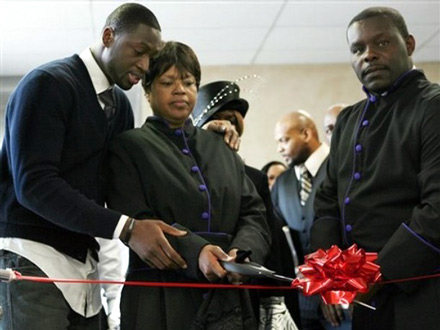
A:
173, 54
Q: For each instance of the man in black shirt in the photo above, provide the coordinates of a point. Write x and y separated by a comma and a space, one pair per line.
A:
382, 188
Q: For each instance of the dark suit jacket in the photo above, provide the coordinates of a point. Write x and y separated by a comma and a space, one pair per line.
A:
286, 202
287, 206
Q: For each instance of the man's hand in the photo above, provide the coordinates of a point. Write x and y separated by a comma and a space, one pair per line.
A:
150, 244
209, 263
231, 137
365, 298
334, 314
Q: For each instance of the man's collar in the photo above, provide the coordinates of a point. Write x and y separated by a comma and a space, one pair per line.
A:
373, 97
315, 160
99, 80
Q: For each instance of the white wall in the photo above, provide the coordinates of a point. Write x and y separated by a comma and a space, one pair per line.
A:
280, 89
276, 91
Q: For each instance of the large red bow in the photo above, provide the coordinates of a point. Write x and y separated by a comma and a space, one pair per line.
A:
338, 275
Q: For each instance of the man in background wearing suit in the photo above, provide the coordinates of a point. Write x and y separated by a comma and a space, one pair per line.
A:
293, 194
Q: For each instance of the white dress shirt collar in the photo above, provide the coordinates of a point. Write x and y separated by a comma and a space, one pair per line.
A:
99, 80
315, 160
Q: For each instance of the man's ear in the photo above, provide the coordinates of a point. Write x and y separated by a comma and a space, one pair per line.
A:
307, 132
108, 36
410, 44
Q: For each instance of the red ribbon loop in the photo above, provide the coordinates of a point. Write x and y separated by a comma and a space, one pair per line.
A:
338, 275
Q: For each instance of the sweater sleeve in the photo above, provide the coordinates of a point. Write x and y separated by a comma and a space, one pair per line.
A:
38, 117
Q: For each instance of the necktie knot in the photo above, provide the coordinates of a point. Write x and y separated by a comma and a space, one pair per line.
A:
107, 97
306, 184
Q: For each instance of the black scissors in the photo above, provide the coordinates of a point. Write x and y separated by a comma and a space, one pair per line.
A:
253, 269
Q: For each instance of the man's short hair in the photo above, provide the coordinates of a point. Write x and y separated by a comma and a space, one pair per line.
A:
127, 17
390, 13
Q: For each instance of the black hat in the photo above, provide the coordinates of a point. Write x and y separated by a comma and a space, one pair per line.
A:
217, 96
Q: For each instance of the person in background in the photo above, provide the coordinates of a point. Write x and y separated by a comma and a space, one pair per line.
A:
382, 187
171, 170
335, 314
59, 121
293, 195
330, 119
217, 102
273, 169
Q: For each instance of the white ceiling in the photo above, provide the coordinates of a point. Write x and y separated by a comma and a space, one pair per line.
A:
221, 32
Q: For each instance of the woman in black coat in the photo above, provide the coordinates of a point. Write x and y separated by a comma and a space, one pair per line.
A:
170, 170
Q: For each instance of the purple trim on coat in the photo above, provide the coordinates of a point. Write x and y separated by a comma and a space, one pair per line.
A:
420, 238
202, 179
346, 241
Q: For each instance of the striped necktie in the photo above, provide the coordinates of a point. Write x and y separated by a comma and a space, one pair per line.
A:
306, 184
107, 98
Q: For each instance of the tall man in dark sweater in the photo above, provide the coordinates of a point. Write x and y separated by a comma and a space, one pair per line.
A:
51, 193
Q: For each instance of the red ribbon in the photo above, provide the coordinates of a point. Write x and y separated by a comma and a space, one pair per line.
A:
338, 275
19, 277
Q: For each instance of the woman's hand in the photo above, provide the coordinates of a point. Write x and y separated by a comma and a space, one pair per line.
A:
209, 263
236, 278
